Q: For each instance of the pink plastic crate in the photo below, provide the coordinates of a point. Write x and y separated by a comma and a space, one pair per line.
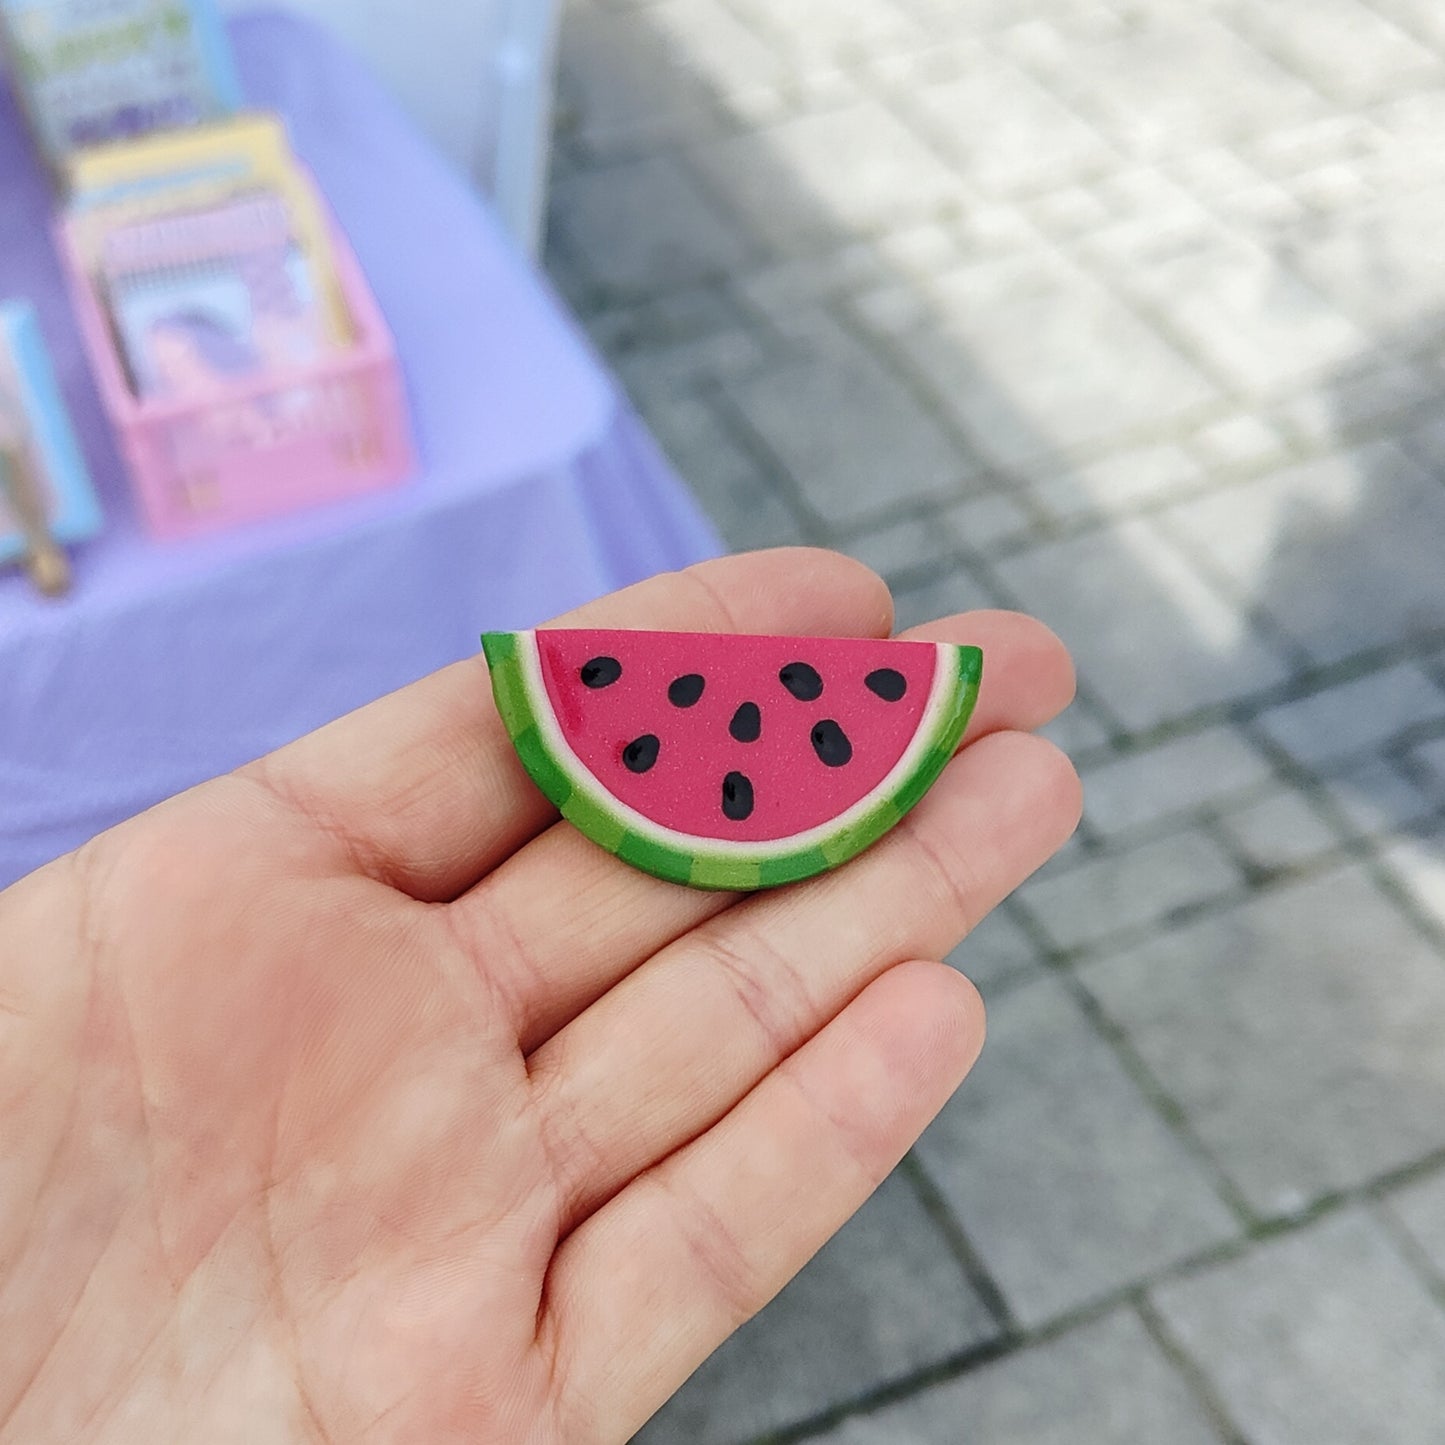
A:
270, 444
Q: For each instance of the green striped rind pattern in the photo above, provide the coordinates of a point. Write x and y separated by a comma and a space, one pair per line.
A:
510, 691
703, 867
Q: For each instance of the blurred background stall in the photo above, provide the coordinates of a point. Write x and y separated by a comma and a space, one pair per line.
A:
535, 487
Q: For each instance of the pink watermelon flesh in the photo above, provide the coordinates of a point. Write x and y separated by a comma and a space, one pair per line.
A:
630, 707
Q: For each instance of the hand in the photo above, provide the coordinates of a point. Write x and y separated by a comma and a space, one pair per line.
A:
352, 1097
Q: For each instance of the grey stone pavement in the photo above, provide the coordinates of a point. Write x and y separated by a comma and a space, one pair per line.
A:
1128, 313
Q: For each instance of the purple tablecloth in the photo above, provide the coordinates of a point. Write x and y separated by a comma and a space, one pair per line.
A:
539, 490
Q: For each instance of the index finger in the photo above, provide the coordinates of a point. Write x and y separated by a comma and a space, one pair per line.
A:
422, 789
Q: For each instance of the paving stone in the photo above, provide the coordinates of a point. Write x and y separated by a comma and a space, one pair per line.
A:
809, 330
1347, 135
686, 238
1418, 865
1008, 132
745, 504
1070, 209
954, 591
1015, 357
891, 309
672, 345
1121, 482
1063, 500
1344, 721
1105, 1383
682, 326
1261, 209
1067, 1183
1239, 440
1150, 638
1324, 1337
920, 250
1075, 852
995, 227
1376, 261
1175, 777
1077, 730
1138, 192
787, 181
800, 284
969, 18
1131, 248
703, 38
1343, 552
996, 953
1280, 831
1135, 83
1346, 49
1368, 400
1420, 1207
824, 88
1377, 799
1331, 188
1301, 1069
1048, 34
1414, 122
902, 548
1422, 18
616, 86
882, 1299
1426, 443
1125, 891
982, 523
687, 367
1216, 172
812, 33
1248, 315
1430, 757
851, 435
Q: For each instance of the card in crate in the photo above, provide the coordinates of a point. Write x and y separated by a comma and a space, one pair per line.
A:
201, 298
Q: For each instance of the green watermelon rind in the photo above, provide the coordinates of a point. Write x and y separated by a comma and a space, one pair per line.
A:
582, 800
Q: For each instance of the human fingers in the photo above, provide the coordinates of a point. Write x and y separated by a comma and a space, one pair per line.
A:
677, 1043
422, 789
646, 1288
588, 919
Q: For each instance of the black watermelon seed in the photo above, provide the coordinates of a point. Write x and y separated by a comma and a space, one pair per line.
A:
639, 755
737, 797
686, 690
747, 723
888, 684
831, 744
802, 681
601, 672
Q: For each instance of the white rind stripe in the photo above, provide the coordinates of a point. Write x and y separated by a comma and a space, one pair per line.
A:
585, 781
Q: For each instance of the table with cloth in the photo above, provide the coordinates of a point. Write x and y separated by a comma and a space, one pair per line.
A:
537, 489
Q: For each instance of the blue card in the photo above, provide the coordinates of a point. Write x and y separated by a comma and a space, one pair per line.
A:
37, 439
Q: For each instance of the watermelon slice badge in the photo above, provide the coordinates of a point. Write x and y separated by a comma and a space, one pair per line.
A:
731, 762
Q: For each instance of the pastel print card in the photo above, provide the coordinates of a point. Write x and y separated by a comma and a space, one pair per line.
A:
96, 71
217, 189
203, 299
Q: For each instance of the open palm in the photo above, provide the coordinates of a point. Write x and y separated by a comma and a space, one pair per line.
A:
353, 1097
